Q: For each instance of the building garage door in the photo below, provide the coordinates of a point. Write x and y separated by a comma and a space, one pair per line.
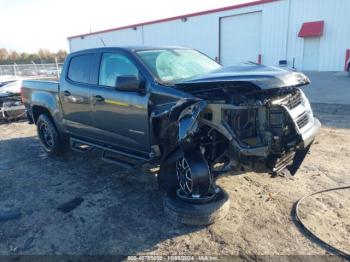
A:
240, 38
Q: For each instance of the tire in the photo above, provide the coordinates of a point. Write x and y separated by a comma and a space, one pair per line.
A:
194, 180
197, 214
167, 179
50, 139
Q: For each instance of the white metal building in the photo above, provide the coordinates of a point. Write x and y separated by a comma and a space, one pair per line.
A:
309, 34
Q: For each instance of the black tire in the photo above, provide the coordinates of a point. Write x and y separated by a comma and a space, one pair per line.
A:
197, 214
50, 139
195, 179
167, 179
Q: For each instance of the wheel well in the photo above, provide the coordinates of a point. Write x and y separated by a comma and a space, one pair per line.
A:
39, 110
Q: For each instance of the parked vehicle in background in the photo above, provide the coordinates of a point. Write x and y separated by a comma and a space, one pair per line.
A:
348, 63
7, 79
13, 87
180, 109
28, 72
11, 106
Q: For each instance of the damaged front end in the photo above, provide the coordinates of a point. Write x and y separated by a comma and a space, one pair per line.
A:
260, 123
11, 107
263, 135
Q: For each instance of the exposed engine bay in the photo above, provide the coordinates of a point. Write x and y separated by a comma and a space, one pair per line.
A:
254, 131
237, 126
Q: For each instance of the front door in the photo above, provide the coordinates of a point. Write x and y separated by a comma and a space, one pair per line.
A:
120, 117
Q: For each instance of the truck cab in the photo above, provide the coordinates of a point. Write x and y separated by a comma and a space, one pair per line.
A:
100, 103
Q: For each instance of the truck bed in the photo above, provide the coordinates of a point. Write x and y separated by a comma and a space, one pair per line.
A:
51, 86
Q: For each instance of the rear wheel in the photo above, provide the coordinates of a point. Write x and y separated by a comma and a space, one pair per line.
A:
52, 142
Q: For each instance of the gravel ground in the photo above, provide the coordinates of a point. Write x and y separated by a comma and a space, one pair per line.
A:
119, 213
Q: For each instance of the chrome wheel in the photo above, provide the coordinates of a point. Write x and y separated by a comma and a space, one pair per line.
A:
184, 176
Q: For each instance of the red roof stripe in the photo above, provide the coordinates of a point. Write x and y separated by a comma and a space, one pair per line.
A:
259, 2
312, 29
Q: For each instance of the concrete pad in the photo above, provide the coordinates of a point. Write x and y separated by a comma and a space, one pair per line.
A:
328, 87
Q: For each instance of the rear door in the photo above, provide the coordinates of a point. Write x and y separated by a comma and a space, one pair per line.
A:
75, 93
120, 117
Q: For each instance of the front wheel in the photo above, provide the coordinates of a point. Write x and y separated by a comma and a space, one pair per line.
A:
189, 175
51, 141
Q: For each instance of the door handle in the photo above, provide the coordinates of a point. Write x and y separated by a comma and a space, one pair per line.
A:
66, 93
99, 98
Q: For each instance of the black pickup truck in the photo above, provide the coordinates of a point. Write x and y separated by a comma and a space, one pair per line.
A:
177, 108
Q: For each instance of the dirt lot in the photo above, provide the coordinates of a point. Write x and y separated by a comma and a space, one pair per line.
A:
122, 213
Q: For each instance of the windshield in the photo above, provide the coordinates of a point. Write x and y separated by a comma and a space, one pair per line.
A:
173, 65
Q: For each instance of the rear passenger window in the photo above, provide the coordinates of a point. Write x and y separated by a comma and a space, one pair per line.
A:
80, 68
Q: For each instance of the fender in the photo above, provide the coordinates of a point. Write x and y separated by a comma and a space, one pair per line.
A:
50, 102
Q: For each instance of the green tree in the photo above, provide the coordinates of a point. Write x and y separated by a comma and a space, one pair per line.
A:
3, 54
25, 58
45, 55
61, 55
42, 56
14, 56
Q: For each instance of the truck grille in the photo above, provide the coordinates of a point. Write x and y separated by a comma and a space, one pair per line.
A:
302, 120
294, 100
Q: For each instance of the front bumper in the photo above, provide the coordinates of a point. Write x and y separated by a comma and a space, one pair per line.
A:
307, 128
294, 159
309, 135
306, 125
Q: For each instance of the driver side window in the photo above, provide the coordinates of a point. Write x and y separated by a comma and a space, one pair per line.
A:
114, 65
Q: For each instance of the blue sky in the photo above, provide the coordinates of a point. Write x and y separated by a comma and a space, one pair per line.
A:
27, 25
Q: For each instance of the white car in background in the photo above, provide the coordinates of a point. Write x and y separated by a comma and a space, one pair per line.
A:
6, 79
12, 87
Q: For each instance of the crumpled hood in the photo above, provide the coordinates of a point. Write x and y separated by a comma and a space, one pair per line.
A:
263, 77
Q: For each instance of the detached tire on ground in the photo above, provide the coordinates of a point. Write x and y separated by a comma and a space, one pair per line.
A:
52, 142
197, 214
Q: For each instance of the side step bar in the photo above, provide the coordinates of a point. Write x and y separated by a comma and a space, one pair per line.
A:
123, 159
114, 159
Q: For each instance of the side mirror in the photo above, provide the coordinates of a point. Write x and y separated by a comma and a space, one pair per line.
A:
128, 83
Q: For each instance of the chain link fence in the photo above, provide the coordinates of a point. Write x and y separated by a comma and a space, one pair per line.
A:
32, 70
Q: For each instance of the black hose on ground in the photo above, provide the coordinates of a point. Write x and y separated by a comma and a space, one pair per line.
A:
323, 243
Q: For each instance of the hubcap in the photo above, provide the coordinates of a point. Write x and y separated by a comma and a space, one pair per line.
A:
184, 176
46, 136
